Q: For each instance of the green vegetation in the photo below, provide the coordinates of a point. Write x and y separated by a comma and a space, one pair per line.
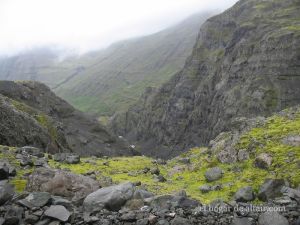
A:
19, 180
265, 139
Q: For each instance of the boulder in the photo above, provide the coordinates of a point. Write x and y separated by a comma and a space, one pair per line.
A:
263, 161
168, 201
58, 212
72, 159
111, 198
6, 192
213, 174
142, 194
59, 157
36, 199
272, 218
271, 188
61, 183
245, 194
28, 150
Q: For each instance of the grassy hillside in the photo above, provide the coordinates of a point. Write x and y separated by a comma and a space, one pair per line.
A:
117, 76
181, 175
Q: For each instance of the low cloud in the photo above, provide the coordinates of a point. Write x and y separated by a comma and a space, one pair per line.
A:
84, 25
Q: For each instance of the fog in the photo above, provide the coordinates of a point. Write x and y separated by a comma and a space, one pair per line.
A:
84, 25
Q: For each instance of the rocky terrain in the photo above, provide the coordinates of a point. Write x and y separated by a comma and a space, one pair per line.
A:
31, 114
245, 64
249, 175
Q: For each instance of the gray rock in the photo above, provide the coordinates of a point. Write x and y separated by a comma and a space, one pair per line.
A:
272, 218
142, 194
271, 188
58, 212
111, 198
26, 161
72, 159
56, 200
184, 160
32, 151
243, 221
61, 183
245, 194
13, 215
40, 162
263, 161
293, 140
36, 199
128, 217
59, 157
205, 188
213, 174
180, 221
31, 219
6, 192
243, 155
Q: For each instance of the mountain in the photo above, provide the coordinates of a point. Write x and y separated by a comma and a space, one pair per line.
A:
32, 115
245, 64
112, 79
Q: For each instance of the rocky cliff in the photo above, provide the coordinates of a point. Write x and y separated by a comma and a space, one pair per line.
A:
33, 115
245, 63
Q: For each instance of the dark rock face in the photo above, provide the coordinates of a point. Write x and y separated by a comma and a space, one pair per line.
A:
30, 114
244, 64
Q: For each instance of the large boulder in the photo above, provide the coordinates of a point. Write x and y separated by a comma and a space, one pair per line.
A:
270, 189
61, 183
272, 218
213, 174
111, 198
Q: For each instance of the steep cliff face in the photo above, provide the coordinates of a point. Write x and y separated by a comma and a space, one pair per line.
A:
245, 63
33, 115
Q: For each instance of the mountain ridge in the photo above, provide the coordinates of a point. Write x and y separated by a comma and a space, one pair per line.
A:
245, 63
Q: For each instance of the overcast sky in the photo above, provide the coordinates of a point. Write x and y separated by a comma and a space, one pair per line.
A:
89, 24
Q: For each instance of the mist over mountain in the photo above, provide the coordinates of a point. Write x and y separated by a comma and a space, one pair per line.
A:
112, 79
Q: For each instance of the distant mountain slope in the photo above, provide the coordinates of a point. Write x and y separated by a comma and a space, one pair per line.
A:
245, 64
118, 76
112, 79
30, 114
